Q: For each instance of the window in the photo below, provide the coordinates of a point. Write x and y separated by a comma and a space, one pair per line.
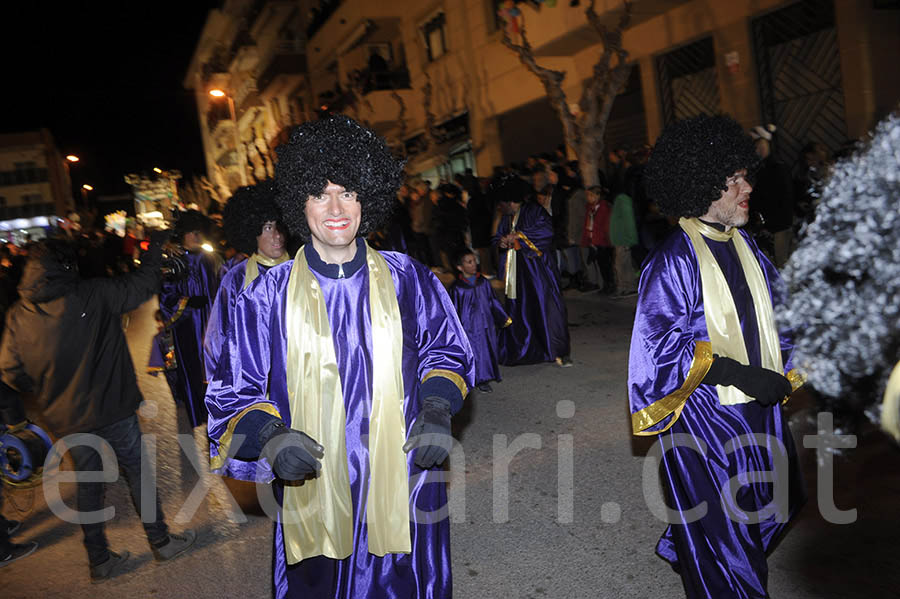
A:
435, 37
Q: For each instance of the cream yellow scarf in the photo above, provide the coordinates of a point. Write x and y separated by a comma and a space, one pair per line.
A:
252, 270
510, 285
722, 320
318, 515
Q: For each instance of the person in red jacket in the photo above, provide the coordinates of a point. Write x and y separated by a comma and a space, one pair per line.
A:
595, 237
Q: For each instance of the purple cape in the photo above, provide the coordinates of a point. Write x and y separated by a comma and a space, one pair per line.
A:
481, 314
251, 370
539, 331
716, 555
188, 325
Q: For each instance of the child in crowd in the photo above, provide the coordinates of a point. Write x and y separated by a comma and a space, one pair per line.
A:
481, 314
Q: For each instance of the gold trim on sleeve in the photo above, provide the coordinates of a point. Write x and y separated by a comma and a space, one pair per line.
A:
674, 402
797, 380
507, 323
452, 377
528, 242
216, 462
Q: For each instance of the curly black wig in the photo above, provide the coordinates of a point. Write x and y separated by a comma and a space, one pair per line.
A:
692, 160
843, 281
190, 221
339, 150
510, 187
245, 214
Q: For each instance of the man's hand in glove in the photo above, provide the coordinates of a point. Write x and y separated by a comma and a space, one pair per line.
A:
293, 455
764, 385
197, 301
430, 433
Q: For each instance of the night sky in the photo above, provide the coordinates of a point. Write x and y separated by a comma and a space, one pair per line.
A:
106, 79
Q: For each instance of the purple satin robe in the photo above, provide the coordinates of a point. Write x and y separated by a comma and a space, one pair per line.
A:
481, 314
253, 365
717, 556
222, 312
202, 279
539, 331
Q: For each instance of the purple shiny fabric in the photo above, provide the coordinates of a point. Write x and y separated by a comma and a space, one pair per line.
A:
481, 315
202, 279
539, 331
220, 319
717, 555
253, 364
222, 312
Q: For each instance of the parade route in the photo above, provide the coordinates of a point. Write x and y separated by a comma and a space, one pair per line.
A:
550, 498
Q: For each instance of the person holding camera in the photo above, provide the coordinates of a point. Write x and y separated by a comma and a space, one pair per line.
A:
185, 302
88, 386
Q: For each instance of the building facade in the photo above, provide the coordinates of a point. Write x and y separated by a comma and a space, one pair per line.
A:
434, 78
34, 181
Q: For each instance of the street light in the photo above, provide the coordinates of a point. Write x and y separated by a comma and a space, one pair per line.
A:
72, 158
218, 93
157, 170
87, 187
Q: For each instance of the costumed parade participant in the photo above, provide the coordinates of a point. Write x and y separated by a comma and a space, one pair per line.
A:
332, 358
844, 285
481, 314
184, 308
708, 365
253, 227
540, 330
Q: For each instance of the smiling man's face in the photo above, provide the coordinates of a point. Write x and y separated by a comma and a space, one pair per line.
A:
334, 217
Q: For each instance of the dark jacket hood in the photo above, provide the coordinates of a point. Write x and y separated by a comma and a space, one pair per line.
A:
46, 279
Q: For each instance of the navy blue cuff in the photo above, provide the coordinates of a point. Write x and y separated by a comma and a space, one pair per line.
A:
249, 426
438, 386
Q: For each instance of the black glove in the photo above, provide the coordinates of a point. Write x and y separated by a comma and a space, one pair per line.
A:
431, 433
293, 455
197, 301
764, 385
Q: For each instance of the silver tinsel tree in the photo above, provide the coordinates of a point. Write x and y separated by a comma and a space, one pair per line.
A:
843, 280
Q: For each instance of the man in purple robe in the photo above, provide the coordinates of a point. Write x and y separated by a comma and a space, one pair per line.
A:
539, 331
709, 369
481, 315
332, 358
185, 303
252, 224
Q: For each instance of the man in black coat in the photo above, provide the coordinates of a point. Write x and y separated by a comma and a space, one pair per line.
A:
65, 347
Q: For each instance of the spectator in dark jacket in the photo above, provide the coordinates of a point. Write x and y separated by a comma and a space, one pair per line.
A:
64, 345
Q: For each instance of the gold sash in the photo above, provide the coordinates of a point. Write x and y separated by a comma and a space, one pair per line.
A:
318, 515
511, 260
722, 320
255, 260
890, 407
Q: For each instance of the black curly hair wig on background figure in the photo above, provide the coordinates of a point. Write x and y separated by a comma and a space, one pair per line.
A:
246, 212
339, 150
691, 161
190, 221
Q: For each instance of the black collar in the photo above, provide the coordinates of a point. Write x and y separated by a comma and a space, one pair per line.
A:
716, 226
334, 271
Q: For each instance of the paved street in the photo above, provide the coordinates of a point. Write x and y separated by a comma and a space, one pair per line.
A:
567, 518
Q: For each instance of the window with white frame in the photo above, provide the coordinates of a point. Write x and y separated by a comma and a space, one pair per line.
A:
435, 36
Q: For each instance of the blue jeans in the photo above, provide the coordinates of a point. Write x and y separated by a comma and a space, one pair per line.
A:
124, 437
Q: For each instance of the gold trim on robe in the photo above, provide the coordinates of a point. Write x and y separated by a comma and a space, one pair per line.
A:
673, 403
216, 462
451, 376
182, 304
